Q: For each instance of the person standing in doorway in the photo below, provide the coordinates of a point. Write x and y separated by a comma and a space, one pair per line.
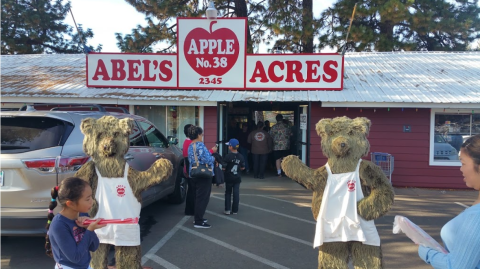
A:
261, 144
244, 146
280, 133
266, 128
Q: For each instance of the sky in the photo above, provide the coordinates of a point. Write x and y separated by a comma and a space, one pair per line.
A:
107, 17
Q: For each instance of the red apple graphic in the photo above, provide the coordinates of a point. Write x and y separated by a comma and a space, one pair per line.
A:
211, 53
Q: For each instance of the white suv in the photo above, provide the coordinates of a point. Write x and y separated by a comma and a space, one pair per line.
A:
41, 148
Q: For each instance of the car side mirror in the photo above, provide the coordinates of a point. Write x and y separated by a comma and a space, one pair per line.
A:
172, 140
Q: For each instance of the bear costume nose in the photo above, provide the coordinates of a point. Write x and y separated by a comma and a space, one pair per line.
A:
340, 146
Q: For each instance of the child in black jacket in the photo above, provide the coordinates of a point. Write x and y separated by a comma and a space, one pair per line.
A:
233, 164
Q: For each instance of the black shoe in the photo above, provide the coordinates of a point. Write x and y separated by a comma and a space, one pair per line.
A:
255, 176
204, 220
203, 225
261, 177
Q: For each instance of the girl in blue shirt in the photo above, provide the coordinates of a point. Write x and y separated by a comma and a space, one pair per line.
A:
461, 235
68, 241
203, 186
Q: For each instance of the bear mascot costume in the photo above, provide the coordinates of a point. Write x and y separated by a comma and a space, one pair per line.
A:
116, 188
348, 194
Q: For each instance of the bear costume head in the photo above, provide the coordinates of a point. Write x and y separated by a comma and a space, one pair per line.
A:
107, 137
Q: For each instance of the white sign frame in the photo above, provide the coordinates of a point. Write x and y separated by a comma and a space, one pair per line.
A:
188, 77
257, 72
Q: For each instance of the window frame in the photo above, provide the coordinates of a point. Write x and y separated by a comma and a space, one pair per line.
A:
433, 112
161, 138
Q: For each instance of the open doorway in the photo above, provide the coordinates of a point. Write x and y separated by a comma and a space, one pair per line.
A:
236, 118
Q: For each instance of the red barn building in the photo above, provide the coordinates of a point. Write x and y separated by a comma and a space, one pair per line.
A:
422, 105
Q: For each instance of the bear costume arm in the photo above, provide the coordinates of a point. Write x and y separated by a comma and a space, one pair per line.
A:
295, 169
381, 196
158, 172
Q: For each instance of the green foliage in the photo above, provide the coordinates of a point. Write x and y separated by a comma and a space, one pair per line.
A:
267, 20
391, 25
32, 27
292, 24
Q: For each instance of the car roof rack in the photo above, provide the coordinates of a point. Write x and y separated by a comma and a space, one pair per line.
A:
75, 107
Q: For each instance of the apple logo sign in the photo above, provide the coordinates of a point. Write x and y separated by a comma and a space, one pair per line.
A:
211, 53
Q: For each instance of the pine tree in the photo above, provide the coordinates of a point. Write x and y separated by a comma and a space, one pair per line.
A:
37, 26
292, 24
267, 20
391, 25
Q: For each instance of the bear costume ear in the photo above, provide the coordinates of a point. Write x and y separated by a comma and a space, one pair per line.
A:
126, 125
361, 125
323, 127
87, 125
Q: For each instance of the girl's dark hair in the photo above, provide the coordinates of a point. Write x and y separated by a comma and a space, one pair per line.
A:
472, 148
185, 129
71, 189
194, 132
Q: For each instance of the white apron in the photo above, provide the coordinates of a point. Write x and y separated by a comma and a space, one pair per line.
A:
337, 219
116, 200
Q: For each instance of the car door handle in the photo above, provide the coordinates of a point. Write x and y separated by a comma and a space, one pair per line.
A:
158, 156
129, 157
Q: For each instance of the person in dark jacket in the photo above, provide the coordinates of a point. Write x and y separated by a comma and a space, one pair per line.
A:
261, 144
234, 164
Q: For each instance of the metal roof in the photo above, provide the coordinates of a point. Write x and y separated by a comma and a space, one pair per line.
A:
388, 79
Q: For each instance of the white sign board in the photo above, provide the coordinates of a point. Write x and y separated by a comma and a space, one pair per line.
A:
121, 70
211, 53
302, 71
303, 121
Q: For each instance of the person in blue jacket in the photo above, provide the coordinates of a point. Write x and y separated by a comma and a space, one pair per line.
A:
461, 235
203, 186
68, 240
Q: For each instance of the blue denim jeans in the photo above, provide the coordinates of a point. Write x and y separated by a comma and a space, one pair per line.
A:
259, 163
229, 189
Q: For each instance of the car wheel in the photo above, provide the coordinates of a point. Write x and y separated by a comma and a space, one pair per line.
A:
180, 193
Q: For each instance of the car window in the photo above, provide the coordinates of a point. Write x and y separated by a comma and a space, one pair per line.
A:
136, 137
154, 137
24, 134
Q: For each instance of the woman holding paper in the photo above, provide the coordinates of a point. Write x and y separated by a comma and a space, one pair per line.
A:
461, 235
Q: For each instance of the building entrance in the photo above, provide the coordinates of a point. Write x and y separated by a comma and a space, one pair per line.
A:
238, 119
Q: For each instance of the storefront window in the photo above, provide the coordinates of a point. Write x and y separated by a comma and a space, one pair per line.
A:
155, 114
178, 117
450, 129
170, 120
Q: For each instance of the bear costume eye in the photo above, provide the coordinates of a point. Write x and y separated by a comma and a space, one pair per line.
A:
116, 134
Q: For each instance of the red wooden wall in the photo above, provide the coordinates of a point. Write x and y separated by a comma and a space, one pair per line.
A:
210, 126
410, 150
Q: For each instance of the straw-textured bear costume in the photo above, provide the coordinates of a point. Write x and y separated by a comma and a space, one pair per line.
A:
116, 188
348, 194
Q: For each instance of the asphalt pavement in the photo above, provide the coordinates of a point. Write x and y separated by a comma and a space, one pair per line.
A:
274, 228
